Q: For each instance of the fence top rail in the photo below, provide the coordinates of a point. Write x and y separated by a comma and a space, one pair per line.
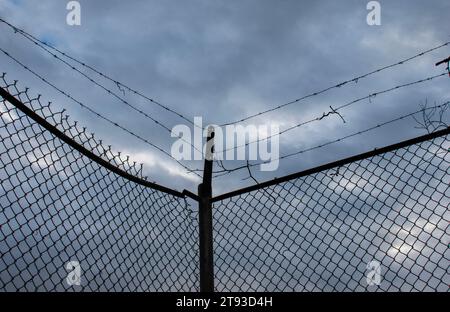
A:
102, 162
334, 164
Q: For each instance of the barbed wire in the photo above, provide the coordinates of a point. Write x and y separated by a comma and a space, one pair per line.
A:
428, 121
112, 93
121, 86
355, 79
219, 173
335, 111
189, 170
115, 95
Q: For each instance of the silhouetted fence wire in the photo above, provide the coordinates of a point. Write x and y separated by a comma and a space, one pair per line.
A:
318, 230
310, 231
57, 206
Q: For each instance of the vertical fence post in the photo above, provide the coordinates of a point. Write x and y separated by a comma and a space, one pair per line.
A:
205, 219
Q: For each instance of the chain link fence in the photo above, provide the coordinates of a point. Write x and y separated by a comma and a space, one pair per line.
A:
58, 206
376, 224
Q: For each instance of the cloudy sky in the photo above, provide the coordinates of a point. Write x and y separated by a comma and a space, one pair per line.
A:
224, 60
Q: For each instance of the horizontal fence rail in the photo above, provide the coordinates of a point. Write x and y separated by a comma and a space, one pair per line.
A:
62, 207
69, 141
374, 222
334, 164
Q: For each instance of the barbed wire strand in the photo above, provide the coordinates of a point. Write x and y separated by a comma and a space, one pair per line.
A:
223, 172
115, 95
335, 111
97, 113
119, 84
355, 79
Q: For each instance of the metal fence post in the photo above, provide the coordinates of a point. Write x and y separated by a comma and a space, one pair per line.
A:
205, 219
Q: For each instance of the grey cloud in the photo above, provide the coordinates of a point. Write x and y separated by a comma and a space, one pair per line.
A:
223, 60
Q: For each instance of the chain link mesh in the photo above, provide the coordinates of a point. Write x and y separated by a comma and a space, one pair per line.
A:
326, 231
322, 232
59, 206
